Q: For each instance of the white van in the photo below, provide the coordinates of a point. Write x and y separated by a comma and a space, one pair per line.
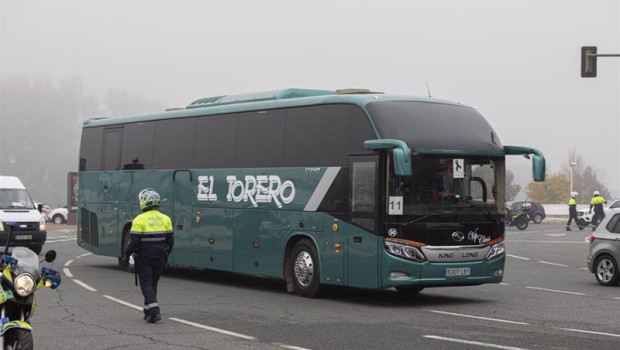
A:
17, 206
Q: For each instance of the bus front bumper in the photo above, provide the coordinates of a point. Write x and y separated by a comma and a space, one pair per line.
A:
400, 272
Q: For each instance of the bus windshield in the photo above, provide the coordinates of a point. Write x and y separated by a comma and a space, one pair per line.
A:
442, 184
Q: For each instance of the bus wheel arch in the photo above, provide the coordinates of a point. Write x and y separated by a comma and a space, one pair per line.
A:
302, 269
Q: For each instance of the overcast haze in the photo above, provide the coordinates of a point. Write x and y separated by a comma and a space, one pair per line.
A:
517, 62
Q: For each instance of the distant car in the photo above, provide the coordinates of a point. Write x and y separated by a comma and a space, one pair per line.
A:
604, 252
586, 215
536, 213
60, 215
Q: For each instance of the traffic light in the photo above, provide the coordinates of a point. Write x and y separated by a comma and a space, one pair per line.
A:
588, 63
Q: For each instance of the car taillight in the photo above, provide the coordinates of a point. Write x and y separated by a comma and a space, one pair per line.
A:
591, 239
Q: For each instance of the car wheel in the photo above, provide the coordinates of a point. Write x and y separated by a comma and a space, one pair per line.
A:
58, 219
537, 218
606, 271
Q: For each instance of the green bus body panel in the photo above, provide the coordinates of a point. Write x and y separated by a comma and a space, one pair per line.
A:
217, 234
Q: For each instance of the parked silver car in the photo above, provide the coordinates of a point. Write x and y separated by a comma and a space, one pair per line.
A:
604, 252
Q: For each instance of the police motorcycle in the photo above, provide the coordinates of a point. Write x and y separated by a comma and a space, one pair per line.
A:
21, 277
517, 218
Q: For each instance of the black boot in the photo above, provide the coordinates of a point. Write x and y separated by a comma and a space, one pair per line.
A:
568, 228
154, 318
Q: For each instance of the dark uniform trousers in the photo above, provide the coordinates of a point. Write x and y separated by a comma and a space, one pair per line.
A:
149, 271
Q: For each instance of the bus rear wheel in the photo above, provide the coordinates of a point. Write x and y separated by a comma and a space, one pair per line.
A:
305, 269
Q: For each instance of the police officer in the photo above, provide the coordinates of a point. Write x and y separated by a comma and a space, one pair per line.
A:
151, 237
599, 214
572, 212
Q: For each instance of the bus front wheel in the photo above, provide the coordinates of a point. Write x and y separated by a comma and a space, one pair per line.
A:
305, 269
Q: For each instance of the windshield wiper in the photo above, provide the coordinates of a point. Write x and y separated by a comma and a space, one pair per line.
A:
486, 210
421, 217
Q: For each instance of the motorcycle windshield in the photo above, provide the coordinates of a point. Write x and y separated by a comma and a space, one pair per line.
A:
26, 259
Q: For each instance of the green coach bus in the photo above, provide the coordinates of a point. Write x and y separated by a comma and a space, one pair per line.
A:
319, 188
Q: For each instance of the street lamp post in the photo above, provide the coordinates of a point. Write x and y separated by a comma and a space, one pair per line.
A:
572, 165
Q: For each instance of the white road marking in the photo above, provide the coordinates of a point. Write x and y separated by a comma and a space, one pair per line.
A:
555, 234
223, 331
517, 257
290, 346
67, 272
122, 302
68, 263
555, 291
554, 264
477, 317
84, 285
462, 341
589, 332
503, 284
83, 255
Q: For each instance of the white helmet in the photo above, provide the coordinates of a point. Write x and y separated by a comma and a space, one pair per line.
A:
596, 193
574, 194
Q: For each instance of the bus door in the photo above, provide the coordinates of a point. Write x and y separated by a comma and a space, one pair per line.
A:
362, 240
183, 197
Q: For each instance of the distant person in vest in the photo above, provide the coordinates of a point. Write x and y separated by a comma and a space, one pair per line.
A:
151, 238
599, 214
572, 212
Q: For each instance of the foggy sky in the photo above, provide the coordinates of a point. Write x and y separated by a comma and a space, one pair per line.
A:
517, 62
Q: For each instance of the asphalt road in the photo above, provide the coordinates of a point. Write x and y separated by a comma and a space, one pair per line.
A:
548, 300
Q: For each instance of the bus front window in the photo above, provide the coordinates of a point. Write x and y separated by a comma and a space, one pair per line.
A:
440, 184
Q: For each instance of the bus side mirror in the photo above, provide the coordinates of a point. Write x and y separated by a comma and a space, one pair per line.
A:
400, 151
538, 167
538, 163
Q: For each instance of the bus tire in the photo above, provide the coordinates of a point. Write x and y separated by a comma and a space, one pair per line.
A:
305, 270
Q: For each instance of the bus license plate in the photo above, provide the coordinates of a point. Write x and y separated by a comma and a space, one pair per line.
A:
459, 271
23, 237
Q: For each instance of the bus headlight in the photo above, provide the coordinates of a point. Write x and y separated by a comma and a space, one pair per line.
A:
1, 226
24, 285
496, 251
404, 251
